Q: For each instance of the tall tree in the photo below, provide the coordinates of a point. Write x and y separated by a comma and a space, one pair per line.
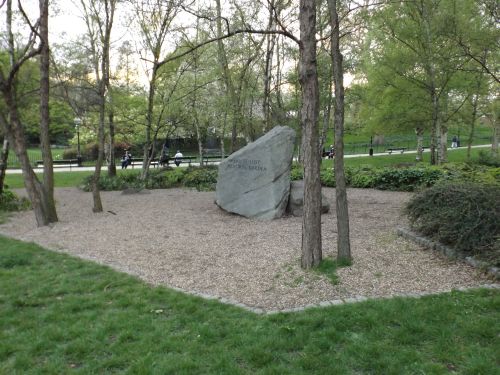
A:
311, 220
48, 171
99, 17
154, 19
10, 121
343, 240
228, 81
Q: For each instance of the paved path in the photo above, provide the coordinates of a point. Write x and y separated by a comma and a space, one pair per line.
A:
80, 169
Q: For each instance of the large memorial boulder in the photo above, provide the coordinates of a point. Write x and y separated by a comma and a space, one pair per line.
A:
296, 201
255, 181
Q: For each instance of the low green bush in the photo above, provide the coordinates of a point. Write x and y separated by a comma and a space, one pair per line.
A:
297, 172
465, 216
204, 178
201, 178
487, 158
327, 177
119, 182
70, 153
407, 179
10, 201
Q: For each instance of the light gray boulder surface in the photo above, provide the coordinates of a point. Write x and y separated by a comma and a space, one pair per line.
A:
255, 181
296, 201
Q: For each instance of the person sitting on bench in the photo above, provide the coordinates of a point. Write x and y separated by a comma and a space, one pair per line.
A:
178, 158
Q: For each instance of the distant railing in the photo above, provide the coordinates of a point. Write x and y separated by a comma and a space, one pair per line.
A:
349, 149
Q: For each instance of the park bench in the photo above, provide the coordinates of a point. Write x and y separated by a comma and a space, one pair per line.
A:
394, 149
138, 161
185, 159
60, 163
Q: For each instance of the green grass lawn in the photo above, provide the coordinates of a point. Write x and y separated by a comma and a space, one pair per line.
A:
34, 154
355, 143
71, 179
61, 315
456, 156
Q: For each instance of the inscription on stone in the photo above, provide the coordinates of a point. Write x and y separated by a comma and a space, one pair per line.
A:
255, 181
246, 164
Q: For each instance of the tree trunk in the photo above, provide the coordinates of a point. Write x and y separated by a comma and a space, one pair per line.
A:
443, 157
326, 118
100, 157
48, 172
105, 31
496, 135
343, 241
149, 122
230, 90
308, 77
266, 101
112, 159
434, 127
420, 143
15, 134
13, 128
4, 157
475, 102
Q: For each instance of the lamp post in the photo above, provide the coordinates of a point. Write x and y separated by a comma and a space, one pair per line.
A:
78, 122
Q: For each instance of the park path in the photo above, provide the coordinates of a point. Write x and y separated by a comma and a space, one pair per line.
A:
80, 169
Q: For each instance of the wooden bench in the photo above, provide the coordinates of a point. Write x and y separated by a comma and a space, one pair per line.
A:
138, 161
60, 163
171, 160
400, 149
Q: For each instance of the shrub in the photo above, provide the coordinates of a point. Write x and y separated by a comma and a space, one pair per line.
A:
120, 148
107, 183
70, 153
201, 178
327, 177
297, 172
464, 216
487, 158
90, 151
165, 178
409, 179
9, 201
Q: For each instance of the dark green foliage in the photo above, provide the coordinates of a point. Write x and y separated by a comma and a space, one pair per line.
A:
9, 201
465, 216
201, 178
164, 178
297, 172
487, 158
70, 153
327, 177
407, 179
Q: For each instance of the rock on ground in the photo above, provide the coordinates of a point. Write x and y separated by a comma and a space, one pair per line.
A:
254, 182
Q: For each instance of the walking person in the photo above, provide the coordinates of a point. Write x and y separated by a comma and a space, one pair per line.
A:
454, 142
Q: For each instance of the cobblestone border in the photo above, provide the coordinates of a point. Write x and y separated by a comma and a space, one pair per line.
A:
445, 250
260, 311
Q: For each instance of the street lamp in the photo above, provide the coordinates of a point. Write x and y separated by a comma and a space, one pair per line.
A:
78, 122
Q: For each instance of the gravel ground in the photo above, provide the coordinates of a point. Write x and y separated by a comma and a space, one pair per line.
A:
180, 238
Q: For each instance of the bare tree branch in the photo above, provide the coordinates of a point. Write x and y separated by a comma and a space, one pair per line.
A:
228, 35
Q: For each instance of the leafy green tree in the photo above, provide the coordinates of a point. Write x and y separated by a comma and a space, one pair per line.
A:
413, 42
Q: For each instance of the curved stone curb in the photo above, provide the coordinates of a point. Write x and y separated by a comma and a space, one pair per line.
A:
433, 245
260, 311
